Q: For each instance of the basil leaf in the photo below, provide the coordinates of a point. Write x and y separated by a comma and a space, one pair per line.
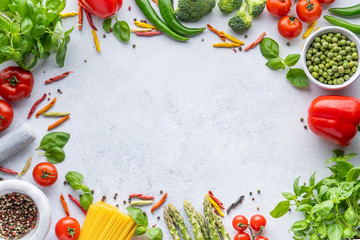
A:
334, 231
138, 215
54, 139
281, 209
26, 26
4, 4
85, 188
292, 59
121, 30
154, 233
74, 179
325, 208
52, 4
14, 29
140, 230
86, 200
297, 77
304, 208
61, 7
349, 156
61, 53
343, 167
296, 187
107, 24
275, 64
312, 180
350, 216
55, 155
269, 48
299, 225
353, 174
289, 196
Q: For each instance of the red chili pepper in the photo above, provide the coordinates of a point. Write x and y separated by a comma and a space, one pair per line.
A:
216, 200
101, 8
33, 108
77, 202
335, 118
148, 34
88, 17
57, 78
9, 171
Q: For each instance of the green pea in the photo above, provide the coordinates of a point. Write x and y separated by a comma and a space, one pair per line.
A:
315, 74
336, 49
346, 65
317, 45
321, 79
321, 66
325, 74
355, 64
343, 42
330, 72
335, 81
354, 69
354, 55
330, 55
351, 73
342, 52
340, 80
320, 72
325, 44
352, 44
328, 39
310, 51
334, 39
346, 77
315, 50
338, 58
330, 34
348, 49
353, 49
349, 58
338, 35
347, 70
328, 78
334, 68
316, 68
336, 54
308, 56
348, 42
336, 74
323, 36
317, 60
322, 57
308, 63
330, 82
327, 65
331, 63
311, 69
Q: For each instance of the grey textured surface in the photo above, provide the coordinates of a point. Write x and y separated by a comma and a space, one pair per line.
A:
184, 118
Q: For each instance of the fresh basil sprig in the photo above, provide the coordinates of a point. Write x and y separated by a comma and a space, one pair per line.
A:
269, 48
142, 221
32, 30
53, 144
330, 206
120, 29
75, 181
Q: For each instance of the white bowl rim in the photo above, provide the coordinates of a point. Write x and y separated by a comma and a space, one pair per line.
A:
307, 44
42, 203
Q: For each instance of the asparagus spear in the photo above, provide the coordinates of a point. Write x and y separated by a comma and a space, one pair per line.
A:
171, 225
220, 225
178, 219
208, 212
190, 211
203, 225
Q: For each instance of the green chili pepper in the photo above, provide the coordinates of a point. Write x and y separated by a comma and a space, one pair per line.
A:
150, 14
346, 11
169, 17
341, 23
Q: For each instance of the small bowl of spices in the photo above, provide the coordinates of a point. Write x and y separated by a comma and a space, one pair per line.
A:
330, 57
24, 211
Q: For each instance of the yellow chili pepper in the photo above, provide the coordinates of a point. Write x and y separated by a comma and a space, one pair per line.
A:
216, 206
69, 14
309, 30
144, 25
232, 38
227, 45
96, 40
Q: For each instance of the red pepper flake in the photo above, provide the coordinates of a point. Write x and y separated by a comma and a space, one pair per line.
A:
57, 78
9, 171
216, 200
88, 17
234, 50
77, 202
154, 225
148, 34
129, 8
33, 108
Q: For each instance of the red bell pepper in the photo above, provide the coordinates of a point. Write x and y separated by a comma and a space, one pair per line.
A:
101, 8
335, 118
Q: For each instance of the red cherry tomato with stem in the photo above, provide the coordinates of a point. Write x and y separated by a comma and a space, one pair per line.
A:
242, 236
308, 10
240, 223
278, 8
45, 174
15, 83
67, 228
326, 1
6, 115
257, 222
262, 238
289, 26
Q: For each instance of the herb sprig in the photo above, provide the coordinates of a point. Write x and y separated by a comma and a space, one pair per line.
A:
31, 30
75, 181
141, 220
269, 48
330, 206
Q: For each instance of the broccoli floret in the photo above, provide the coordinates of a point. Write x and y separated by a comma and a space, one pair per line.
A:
193, 10
228, 6
256, 7
242, 20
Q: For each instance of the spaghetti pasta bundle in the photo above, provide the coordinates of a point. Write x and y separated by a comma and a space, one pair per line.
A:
105, 222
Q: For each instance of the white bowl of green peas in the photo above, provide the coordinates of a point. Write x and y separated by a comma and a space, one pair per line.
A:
330, 57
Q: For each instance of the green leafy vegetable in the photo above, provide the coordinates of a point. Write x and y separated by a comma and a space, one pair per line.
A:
121, 31
75, 181
269, 48
107, 25
142, 221
26, 26
330, 206
53, 144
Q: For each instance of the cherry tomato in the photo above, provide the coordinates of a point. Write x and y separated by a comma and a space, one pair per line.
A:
67, 228
326, 1
289, 26
257, 221
45, 174
240, 219
15, 83
278, 8
242, 236
308, 10
6, 115
262, 238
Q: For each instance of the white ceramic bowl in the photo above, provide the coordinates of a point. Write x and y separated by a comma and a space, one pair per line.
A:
351, 36
44, 211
